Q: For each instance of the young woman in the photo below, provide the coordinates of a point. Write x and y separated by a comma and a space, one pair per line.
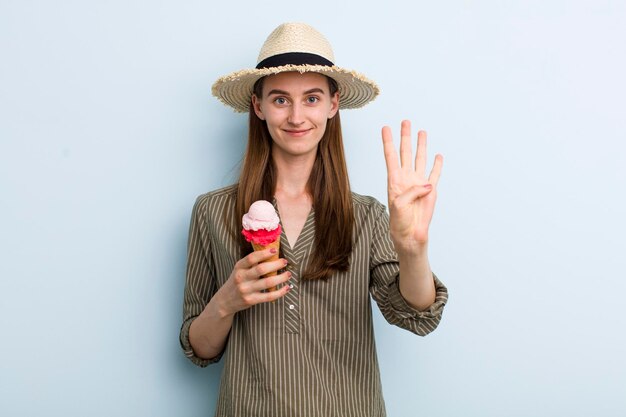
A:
307, 348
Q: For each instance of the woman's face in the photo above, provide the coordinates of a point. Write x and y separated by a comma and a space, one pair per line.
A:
296, 108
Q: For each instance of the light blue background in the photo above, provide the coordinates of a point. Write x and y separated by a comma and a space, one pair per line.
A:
108, 133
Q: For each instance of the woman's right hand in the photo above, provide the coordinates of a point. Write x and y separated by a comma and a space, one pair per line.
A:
245, 287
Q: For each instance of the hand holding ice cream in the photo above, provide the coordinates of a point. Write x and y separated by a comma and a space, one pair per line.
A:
261, 227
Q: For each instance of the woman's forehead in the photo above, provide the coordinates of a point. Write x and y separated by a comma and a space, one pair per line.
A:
295, 82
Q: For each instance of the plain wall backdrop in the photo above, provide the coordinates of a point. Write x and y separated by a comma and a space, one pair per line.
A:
108, 133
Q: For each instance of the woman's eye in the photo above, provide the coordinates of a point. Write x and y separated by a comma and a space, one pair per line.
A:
280, 100
312, 99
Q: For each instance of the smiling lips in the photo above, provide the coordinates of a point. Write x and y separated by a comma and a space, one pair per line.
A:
297, 133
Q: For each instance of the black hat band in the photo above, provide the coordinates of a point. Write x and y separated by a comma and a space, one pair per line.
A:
293, 58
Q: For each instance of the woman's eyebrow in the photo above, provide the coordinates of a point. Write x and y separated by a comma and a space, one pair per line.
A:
314, 90
276, 91
285, 93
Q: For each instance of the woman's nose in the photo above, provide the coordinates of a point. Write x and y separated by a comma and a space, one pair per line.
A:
296, 116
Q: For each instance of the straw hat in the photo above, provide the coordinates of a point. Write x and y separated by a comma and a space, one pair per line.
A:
295, 47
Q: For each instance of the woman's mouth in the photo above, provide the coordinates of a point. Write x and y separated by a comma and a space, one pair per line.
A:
298, 132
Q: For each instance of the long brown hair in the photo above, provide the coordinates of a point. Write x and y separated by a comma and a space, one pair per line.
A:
328, 186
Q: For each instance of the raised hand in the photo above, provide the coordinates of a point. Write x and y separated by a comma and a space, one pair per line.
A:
411, 195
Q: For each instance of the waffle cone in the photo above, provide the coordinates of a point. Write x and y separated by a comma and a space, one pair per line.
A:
275, 244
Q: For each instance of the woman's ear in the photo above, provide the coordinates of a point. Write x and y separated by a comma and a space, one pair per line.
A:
256, 104
334, 105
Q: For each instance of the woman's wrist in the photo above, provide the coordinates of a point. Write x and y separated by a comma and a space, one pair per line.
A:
217, 308
411, 249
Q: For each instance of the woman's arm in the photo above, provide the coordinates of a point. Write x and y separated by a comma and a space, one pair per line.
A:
411, 205
416, 279
209, 331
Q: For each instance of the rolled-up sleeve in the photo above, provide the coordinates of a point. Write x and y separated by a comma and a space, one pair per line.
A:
200, 278
384, 283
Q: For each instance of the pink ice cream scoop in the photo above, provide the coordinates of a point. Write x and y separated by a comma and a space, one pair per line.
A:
261, 225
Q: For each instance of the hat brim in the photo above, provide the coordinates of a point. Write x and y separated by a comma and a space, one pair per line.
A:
235, 89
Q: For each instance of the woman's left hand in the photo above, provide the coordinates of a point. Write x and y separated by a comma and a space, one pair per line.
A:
411, 196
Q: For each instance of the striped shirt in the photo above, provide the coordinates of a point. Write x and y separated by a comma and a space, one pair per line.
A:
312, 352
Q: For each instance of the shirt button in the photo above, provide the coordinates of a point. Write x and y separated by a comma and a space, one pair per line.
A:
291, 306
290, 285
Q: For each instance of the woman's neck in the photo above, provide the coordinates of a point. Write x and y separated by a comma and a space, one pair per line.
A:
292, 175
291, 193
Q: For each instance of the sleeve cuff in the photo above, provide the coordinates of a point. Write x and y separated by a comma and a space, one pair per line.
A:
188, 350
403, 310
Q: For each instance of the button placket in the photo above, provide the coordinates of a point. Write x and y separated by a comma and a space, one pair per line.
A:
291, 304
296, 257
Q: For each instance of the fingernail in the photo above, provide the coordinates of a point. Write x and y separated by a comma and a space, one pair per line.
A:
285, 262
273, 250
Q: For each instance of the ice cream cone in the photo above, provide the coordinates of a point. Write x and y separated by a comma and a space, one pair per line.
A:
275, 244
